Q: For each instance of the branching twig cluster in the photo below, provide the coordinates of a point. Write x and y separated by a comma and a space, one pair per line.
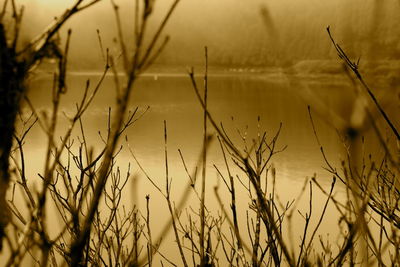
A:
86, 187
75, 178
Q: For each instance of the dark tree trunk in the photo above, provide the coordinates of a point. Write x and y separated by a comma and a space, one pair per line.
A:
12, 74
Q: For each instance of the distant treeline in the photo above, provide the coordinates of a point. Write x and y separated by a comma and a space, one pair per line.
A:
254, 33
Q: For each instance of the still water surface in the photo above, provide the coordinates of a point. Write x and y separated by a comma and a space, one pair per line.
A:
236, 100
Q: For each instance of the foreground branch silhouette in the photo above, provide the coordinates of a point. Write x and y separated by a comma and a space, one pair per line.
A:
15, 65
251, 227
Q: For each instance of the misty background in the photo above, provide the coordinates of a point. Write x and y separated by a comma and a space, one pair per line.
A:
248, 35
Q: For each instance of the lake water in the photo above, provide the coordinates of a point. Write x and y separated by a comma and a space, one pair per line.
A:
236, 99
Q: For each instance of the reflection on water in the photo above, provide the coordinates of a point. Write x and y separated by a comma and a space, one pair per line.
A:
235, 100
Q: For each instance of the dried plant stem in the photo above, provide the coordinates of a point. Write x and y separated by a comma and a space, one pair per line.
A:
168, 198
266, 207
354, 67
150, 252
132, 72
204, 165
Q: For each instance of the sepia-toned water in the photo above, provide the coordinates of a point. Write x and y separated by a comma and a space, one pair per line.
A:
236, 100
247, 104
